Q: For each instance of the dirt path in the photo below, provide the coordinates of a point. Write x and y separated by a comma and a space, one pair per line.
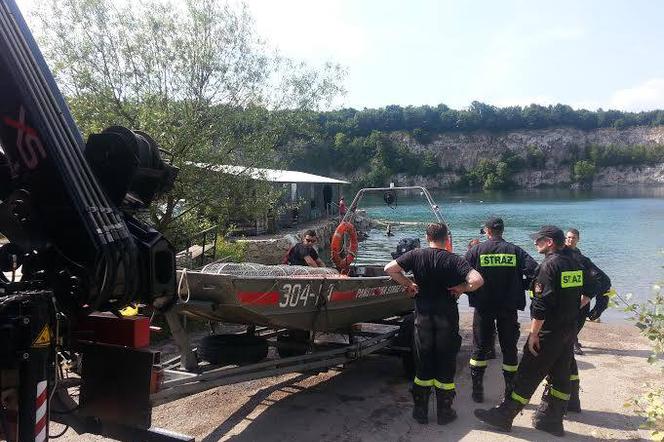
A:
369, 401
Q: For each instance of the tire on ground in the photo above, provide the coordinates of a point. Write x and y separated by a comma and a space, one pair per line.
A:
232, 349
293, 343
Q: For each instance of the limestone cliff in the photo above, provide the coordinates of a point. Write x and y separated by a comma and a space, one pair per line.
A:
456, 152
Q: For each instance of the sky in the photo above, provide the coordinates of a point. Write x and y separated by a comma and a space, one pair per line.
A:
588, 54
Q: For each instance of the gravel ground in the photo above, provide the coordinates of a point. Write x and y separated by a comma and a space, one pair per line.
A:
369, 400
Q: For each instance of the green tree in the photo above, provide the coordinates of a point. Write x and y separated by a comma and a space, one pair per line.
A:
422, 136
535, 158
197, 77
429, 165
491, 175
584, 172
340, 140
535, 116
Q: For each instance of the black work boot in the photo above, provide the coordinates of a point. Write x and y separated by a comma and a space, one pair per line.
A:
421, 399
477, 375
509, 382
549, 416
574, 404
577, 349
501, 416
444, 411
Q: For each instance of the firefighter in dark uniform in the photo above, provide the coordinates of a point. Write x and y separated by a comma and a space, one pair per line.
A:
558, 288
602, 285
598, 285
440, 278
503, 267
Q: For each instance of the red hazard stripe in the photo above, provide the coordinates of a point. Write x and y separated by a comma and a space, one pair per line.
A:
40, 412
258, 297
343, 296
41, 398
40, 425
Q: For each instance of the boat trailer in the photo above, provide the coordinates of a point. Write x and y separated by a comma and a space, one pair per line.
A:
184, 376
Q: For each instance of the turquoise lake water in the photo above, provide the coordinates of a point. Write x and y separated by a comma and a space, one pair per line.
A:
622, 230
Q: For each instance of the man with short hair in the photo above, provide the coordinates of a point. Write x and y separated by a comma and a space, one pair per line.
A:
304, 253
558, 287
503, 266
598, 285
601, 280
440, 278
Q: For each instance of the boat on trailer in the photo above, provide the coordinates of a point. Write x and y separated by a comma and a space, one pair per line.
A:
295, 297
316, 301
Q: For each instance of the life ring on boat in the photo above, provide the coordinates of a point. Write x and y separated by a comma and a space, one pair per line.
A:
337, 246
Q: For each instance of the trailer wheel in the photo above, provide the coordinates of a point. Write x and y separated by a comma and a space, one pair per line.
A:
232, 349
405, 338
293, 343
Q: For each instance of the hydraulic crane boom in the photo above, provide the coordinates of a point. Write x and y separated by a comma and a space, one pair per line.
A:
51, 197
68, 222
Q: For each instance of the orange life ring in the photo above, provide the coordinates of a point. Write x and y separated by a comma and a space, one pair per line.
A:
448, 243
337, 246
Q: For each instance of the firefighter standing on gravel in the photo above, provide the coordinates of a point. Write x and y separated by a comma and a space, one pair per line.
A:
558, 288
598, 285
440, 277
601, 287
503, 267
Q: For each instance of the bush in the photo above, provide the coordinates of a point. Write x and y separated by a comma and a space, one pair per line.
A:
422, 136
491, 175
584, 171
229, 250
649, 318
535, 158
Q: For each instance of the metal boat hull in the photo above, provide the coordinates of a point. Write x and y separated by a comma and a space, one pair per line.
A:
321, 303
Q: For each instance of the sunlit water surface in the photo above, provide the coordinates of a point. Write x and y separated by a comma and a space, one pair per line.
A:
622, 230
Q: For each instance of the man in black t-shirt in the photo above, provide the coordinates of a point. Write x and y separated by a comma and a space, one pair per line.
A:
304, 254
440, 278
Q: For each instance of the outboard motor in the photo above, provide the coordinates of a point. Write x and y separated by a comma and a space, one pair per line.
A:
406, 245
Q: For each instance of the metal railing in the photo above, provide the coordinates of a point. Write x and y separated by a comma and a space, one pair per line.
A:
201, 249
332, 209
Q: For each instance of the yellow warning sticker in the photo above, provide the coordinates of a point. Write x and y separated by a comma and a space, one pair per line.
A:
43, 339
130, 310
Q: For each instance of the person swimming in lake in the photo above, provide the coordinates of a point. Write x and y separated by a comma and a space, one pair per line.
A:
388, 232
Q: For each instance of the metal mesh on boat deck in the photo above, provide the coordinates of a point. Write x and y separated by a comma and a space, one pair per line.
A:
253, 269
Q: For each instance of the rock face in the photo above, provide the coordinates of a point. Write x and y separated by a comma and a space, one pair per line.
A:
464, 150
273, 250
647, 175
267, 251
461, 151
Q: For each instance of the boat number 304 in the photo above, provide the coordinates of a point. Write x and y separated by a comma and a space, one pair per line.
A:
295, 295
